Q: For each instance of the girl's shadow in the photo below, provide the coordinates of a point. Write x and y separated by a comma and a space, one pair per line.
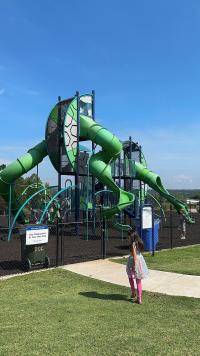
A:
97, 295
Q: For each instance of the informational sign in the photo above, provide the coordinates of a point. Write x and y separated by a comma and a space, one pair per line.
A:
37, 235
147, 217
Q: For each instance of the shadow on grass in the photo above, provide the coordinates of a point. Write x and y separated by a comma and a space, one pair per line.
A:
97, 295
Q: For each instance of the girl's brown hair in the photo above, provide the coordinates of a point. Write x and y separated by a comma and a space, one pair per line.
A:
134, 237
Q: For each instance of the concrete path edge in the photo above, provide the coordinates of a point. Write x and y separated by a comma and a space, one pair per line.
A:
158, 281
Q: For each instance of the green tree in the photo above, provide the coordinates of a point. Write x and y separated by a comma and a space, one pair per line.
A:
195, 196
25, 187
2, 166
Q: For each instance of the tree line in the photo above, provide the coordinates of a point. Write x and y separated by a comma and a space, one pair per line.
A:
24, 188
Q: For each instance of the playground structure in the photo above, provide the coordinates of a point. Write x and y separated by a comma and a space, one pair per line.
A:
110, 178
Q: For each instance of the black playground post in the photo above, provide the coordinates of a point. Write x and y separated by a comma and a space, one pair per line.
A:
129, 165
77, 194
119, 170
93, 178
124, 178
57, 241
60, 142
141, 207
120, 183
152, 232
59, 176
103, 234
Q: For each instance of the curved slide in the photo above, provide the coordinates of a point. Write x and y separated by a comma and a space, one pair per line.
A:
154, 181
15, 170
99, 163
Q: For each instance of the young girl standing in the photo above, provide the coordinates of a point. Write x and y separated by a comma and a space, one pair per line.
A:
136, 266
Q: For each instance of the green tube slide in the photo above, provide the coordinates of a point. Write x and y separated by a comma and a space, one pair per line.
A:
99, 163
154, 181
15, 170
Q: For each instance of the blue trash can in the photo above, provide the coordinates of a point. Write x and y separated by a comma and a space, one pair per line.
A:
147, 236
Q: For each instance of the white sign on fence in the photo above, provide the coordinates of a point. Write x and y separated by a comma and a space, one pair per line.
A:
147, 217
37, 235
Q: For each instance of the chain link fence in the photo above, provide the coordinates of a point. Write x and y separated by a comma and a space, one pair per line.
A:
74, 242
170, 232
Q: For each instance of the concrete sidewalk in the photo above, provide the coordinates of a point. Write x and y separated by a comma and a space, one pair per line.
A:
160, 282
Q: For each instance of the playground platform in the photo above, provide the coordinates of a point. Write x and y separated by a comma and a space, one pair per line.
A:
159, 282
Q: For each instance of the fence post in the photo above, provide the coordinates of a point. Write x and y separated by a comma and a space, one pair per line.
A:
61, 244
9, 207
153, 231
57, 241
103, 237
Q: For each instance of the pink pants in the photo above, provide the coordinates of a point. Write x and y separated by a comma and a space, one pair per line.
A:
139, 287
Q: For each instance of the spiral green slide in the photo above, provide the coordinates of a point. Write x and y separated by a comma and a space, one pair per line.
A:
99, 163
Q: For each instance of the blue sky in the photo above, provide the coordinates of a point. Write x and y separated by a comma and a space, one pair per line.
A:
141, 57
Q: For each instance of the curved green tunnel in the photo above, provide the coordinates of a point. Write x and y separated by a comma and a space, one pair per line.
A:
15, 170
99, 164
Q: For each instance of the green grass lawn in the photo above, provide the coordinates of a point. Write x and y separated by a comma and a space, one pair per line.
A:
180, 260
61, 313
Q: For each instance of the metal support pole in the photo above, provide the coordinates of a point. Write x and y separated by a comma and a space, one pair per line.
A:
103, 238
141, 220
131, 180
119, 170
140, 159
119, 175
58, 226
9, 207
60, 142
93, 178
153, 237
125, 182
87, 199
77, 181
57, 242
124, 163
